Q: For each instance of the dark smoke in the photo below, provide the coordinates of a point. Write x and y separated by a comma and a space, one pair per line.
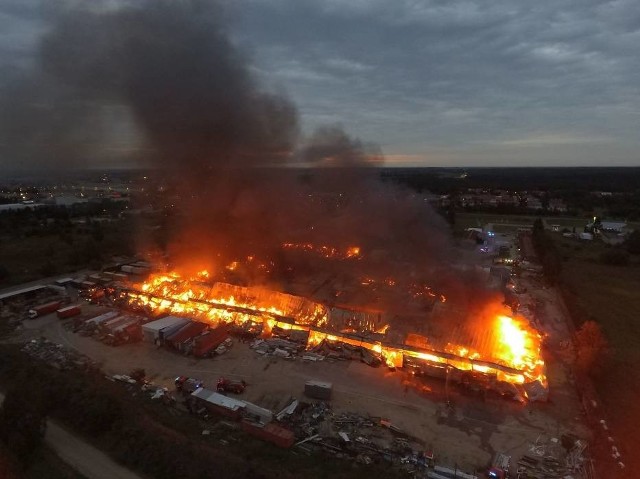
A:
218, 132
330, 146
186, 85
171, 63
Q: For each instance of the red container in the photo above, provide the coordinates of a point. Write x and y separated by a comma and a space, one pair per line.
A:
186, 333
44, 309
271, 432
68, 312
202, 345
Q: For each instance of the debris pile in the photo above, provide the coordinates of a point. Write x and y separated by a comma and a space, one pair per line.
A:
57, 355
279, 347
351, 436
553, 458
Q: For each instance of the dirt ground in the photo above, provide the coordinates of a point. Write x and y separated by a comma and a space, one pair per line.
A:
466, 436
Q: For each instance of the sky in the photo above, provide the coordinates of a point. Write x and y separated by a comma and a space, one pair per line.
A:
435, 83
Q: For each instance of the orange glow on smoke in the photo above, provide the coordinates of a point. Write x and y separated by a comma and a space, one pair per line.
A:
352, 252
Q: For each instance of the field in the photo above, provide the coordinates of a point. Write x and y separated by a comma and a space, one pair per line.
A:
609, 295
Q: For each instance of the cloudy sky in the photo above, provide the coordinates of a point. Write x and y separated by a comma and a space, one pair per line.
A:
439, 83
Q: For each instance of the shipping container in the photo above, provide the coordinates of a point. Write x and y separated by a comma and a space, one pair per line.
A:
270, 432
185, 335
101, 318
111, 324
218, 403
203, 345
157, 331
43, 309
69, 311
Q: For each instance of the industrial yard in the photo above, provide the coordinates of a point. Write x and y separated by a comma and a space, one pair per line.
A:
455, 424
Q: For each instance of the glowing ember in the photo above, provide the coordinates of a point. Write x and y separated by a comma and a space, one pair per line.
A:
352, 252
510, 350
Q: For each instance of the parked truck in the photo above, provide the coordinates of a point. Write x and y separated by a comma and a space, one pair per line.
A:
500, 466
68, 312
187, 385
43, 309
229, 385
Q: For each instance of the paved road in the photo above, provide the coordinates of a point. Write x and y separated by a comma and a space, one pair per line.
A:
84, 458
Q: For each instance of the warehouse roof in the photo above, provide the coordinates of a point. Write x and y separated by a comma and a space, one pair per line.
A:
18, 292
165, 322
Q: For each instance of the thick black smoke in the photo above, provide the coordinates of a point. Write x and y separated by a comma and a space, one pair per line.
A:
186, 85
209, 122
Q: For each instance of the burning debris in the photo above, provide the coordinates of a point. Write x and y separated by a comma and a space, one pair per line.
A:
500, 346
352, 252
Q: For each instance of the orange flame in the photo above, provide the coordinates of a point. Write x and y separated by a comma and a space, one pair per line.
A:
512, 352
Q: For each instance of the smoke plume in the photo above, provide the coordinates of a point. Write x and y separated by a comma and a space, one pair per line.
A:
218, 132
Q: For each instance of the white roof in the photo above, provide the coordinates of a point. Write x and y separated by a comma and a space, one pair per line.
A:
103, 317
18, 292
162, 323
613, 225
218, 399
264, 414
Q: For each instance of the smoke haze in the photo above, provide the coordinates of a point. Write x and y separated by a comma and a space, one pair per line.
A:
210, 123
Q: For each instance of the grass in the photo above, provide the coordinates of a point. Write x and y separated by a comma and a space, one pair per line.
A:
45, 463
610, 295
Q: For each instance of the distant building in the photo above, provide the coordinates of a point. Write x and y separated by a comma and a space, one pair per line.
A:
534, 203
556, 204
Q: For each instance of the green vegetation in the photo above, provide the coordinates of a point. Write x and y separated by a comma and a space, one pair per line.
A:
54, 240
609, 296
547, 252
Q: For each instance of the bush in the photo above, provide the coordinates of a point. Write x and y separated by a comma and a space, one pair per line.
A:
592, 348
615, 257
632, 243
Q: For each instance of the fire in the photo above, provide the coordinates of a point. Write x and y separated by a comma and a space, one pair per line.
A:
352, 252
514, 341
506, 347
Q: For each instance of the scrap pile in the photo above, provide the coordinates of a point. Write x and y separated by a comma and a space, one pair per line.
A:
552, 458
279, 347
56, 355
352, 436
331, 350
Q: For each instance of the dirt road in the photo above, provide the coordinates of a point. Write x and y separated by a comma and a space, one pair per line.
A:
84, 458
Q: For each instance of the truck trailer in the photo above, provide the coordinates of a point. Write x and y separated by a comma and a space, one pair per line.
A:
43, 309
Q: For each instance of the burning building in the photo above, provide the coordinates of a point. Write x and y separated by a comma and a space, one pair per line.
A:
496, 345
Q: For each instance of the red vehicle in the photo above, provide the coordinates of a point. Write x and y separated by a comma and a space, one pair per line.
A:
187, 385
231, 386
68, 312
500, 467
43, 309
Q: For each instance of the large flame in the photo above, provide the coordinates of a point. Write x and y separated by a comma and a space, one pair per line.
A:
509, 350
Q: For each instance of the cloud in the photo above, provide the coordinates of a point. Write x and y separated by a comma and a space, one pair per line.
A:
418, 75
551, 139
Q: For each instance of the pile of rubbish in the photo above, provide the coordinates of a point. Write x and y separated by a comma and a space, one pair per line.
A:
333, 351
351, 436
57, 355
553, 458
279, 347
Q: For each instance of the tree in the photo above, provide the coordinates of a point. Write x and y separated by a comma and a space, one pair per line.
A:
592, 348
632, 243
615, 257
22, 424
